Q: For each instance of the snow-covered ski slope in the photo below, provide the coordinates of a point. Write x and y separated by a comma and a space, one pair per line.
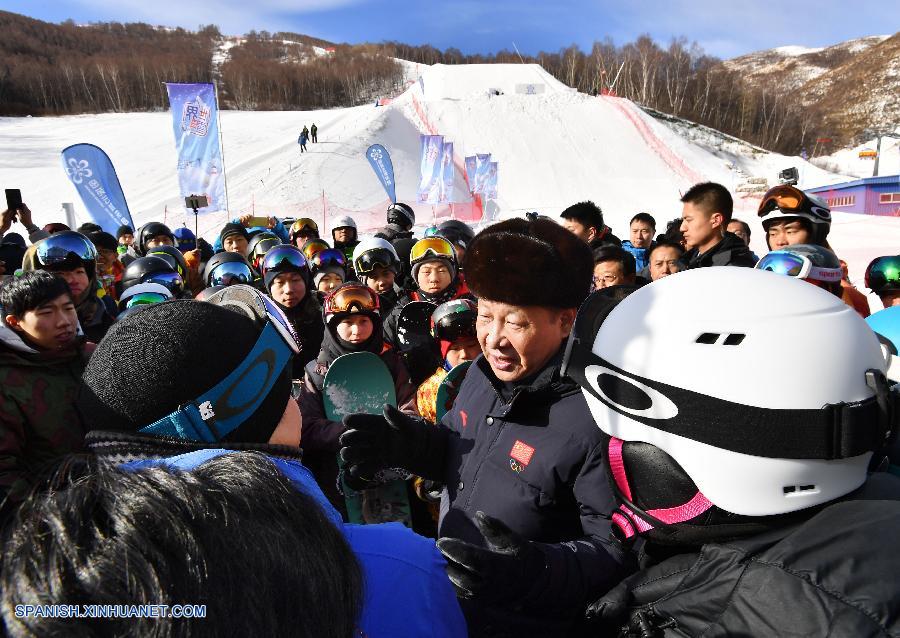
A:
554, 148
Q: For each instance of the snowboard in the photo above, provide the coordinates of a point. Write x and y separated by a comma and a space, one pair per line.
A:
361, 382
418, 348
449, 388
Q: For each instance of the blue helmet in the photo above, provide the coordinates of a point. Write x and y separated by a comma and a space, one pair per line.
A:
185, 239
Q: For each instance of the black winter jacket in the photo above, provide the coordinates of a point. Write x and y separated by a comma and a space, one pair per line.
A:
537, 464
833, 575
731, 251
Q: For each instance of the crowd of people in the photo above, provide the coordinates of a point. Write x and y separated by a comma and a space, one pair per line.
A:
666, 435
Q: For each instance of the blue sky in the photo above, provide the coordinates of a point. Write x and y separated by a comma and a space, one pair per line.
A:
725, 28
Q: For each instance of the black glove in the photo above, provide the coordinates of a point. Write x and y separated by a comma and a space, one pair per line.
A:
503, 572
373, 442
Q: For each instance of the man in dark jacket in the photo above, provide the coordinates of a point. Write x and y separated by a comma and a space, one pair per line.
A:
766, 527
525, 516
585, 220
706, 213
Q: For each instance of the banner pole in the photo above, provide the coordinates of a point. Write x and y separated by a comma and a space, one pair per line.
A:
221, 144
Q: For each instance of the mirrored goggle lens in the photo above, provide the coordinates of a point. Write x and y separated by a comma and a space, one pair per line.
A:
284, 257
431, 231
145, 298
284, 327
435, 245
882, 272
369, 260
783, 264
171, 280
56, 249
311, 249
304, 223
453, 331
353, 298
330, 257
228, 274
785, 198
265, 246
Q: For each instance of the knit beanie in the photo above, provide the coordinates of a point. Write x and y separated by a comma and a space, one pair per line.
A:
233, 228
103, 240
124, 229
328, 270
168, 355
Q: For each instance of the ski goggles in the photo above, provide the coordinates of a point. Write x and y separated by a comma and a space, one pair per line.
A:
282, 258
883, 274
222, 409
352, 298
834, 431
304, 225
454, 320
171, 280
312, 247
791, 264
328, 257
790, 199
431, 231
59, 247
230, 273
143, 294
433, 246
169, 260
375, 258
145, 298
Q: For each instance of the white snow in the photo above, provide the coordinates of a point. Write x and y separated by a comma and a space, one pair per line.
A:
848, 161
554, 149
794, 50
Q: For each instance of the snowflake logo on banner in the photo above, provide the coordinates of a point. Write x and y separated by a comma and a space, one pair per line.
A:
376, 154
195, 117
78, 170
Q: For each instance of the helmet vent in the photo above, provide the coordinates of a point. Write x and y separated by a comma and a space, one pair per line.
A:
734, 339
711, 338
798, 490
708, 337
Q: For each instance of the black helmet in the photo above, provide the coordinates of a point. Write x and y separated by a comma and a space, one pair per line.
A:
153, 270
148, 231
66, 250
401, 214
456, 232
454, 319
172, 255
259, 245
226, 269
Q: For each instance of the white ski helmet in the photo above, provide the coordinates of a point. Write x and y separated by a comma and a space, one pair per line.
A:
343, 222
374, 251
682, 364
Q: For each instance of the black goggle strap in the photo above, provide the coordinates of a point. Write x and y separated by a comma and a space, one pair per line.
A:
233, 400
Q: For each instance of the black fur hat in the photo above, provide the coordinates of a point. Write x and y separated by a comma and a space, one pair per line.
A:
526, 262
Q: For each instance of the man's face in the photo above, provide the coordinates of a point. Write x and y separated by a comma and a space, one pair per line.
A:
50, 326
78, 282
355, 329
329, 282
664, 262
698, 227
288, 289
381, 280
433, 277
343, 235
304, 236
127, 239
160, 240
585, 234
517, 341
235, 244
641, 234
610, 273
106, 257
464, 349
738, 229
786, 233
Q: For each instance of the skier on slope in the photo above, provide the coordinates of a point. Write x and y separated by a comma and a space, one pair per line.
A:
304, 136
749, 530
314, 133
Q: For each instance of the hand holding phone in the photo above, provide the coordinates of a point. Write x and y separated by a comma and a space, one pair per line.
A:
13, 199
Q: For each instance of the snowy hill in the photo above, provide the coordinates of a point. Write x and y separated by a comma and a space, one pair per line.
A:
554, 148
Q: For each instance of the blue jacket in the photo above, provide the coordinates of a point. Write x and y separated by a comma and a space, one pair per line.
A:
641, 255
407, 590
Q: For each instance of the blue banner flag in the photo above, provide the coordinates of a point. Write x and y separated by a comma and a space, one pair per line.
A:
380, 160
195, 120
482, 165
470, 171
95, 179
490, 182
431, 180
448, 172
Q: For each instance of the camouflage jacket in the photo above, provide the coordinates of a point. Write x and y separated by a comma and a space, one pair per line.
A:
38, 420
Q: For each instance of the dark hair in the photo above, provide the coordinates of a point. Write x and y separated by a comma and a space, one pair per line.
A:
673, 234
587, 213
664, 244
710, 198
647, 218
233, 534
616, 253
746, 226
30, 291
103, 240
